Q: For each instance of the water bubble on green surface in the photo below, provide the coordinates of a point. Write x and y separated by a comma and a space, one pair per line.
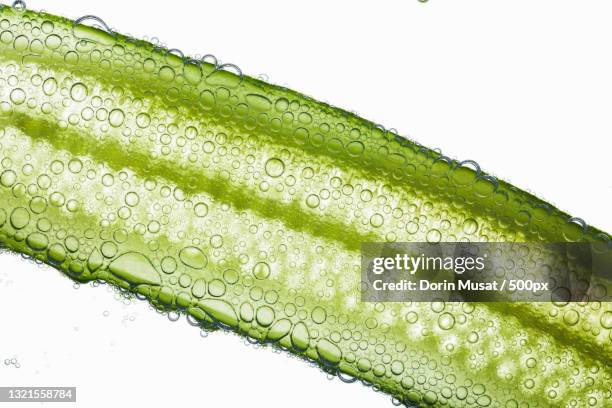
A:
220, 310
20, 218
135, 268
193, 257
300, 336
116, 117
201, 210
279, 329
37, 241
275, 167
265, 315
328, 351
261, 270
78, 92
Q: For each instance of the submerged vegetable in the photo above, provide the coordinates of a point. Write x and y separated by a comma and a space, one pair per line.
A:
244, 205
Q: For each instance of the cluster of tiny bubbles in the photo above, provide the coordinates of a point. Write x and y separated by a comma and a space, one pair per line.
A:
160, 47
276, 168
12, 362
120, 294
128, 318
312, 199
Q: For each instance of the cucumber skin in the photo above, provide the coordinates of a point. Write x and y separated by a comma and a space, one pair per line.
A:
223, 158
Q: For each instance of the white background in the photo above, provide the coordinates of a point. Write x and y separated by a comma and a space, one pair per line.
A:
522, 87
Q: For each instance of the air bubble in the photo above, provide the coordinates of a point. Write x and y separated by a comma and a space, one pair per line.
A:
18, 96
216, 241
574, 229
78, 92
199, 288
108, 180
116, 117
19, 5
258, 102
166, 73
397, 367
433, 236
279, 329
53, 41
75, 166
57, 199
377, 220
319, 315
446, 321
8, 178
230, 276
308, 173
275, 167
265, 316
412, 317
72, 243
193, 257
470, 226
95, 260
47, 27
313, 201
20, 218
37, 241
216, 288
109, 249
49, 86
135, 268
300, 337
437, 306
328, 352
191, 133
261, 270
247, 313
56, 254
201, 210
606, 320
355, 148
132, 199
531, 362
57, 167
99, 33
220, 310
364, 365
143, 120
571, 317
